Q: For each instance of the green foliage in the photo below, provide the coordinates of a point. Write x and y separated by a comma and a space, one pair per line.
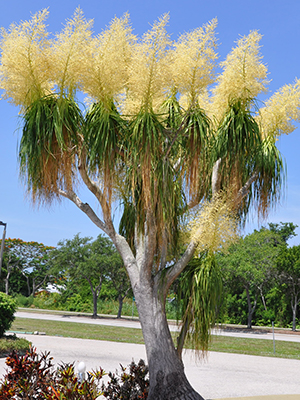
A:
23, 301
84, 266
251, 262
286, 230
28, 263
288, 265
199, 294
75, 303
8, 307
244, 153
235, 309
47, 145
102, 131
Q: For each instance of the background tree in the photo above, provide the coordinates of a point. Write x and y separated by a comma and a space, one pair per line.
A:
252, 263
10, 262
31, 259
83, 259
118, 278
288, 264
157, 139
286, 230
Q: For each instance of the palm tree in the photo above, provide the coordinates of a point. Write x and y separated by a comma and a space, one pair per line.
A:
179, 159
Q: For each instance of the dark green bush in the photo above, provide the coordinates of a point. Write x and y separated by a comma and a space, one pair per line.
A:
23, 301
8, 307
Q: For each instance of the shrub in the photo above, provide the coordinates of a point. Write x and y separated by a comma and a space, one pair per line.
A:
11, 342
8, 307
23, 301
132, 386
33, 377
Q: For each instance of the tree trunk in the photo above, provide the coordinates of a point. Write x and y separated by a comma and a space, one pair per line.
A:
95, 293
250, 308
6, 280
28, 284
95, 305
166, 371
294, 309
121, 298
33, 287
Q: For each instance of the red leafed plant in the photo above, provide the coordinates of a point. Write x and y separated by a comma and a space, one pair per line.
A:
33, 376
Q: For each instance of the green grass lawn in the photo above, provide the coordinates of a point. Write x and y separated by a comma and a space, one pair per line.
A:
256, 347
78, 330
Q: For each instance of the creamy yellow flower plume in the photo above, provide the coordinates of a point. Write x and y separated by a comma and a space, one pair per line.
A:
107, 61
149, 70
68, 56
24, 71
244, 76
214, 226
193, 61
280, 110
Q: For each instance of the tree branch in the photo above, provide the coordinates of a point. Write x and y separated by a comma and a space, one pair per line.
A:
215, 177
245, 189
174, 271
94, 188
86, 208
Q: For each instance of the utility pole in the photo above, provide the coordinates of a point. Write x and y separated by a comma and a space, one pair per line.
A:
2, 244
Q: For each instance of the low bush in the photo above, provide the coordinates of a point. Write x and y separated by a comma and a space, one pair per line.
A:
8, 307
23, 301
8, 343
33, 376
128, 386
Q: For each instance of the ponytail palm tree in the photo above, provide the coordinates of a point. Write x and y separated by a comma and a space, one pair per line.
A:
184, 152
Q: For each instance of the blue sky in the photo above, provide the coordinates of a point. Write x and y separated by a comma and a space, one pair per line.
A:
277, 21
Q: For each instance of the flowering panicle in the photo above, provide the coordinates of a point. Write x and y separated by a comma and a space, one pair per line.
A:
280, 110
214, 226
149, 70
193, 61
109, 56
24, 71
244, 75
68, 55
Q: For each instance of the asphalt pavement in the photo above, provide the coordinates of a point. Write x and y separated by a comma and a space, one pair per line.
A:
134, 323
220, 375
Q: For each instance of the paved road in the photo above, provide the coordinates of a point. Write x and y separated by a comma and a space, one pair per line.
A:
135, 324
221, 375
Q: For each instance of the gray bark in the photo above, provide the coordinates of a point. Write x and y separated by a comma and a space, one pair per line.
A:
251, 308
6, 280
167, 378
294, 305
